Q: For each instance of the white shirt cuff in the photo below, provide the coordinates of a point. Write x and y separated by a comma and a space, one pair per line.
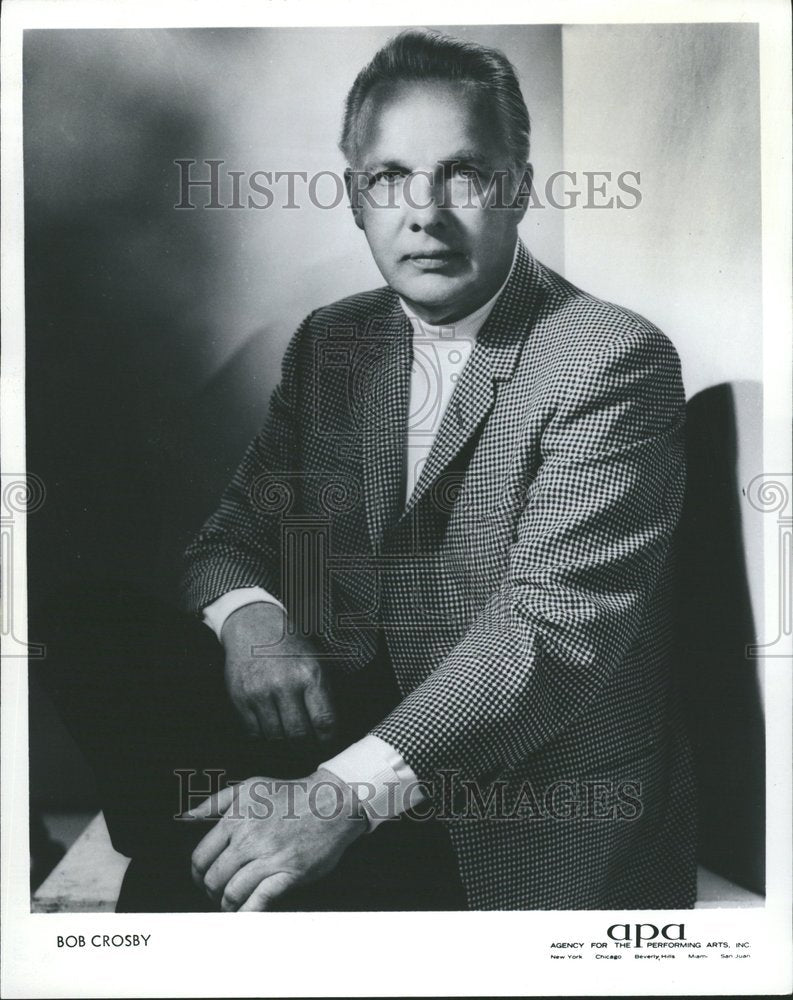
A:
215, 614
385, 785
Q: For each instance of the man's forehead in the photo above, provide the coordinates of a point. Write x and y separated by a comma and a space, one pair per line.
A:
426, 119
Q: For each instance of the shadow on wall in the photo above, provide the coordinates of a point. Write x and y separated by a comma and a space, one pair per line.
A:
719, 681
117, 294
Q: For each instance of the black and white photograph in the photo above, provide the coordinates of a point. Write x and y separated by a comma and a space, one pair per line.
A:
396, 499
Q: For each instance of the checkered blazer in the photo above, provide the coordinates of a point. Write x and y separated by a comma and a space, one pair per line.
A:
523, 590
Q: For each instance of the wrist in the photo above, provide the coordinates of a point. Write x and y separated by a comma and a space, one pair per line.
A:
335, 799
268, 620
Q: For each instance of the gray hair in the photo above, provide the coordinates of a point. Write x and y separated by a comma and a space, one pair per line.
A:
417, 55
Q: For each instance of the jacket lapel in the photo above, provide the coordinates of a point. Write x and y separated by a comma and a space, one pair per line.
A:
492, 360
385, 418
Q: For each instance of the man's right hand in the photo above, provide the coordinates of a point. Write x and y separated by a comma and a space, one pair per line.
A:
274, 679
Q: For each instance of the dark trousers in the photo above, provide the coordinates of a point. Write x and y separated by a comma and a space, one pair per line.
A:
140, 686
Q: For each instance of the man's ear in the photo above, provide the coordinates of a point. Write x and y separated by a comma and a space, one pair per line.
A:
520, 202
353, 179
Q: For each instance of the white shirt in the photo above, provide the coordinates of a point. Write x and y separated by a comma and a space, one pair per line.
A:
385, 784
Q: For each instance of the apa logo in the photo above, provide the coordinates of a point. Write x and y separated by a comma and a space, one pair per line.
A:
637, 933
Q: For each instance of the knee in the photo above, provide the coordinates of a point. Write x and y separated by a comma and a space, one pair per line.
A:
76, 623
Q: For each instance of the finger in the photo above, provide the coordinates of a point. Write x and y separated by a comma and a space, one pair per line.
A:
242, 883
294, 717
246, 715
268, 891
214, 806
211, 847
319, 705
269, 720
225, 865
244, 711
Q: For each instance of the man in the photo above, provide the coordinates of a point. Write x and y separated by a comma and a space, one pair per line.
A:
440, 577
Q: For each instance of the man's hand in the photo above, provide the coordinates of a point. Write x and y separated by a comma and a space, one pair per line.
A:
272, 836
274, 679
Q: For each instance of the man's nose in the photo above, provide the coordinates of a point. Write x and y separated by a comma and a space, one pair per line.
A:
423, 200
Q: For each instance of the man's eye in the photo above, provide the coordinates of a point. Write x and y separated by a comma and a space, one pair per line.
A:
466, 173
387, 176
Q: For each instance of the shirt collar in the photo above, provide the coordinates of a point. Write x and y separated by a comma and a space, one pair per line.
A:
466, 328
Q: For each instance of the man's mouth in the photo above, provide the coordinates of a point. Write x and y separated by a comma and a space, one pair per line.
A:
433, 260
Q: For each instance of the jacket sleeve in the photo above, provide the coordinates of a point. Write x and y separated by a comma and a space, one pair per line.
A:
590, 544
239, 544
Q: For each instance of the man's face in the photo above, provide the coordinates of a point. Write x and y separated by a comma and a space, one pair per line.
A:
445, 250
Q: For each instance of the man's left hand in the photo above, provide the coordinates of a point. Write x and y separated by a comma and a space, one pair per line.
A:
273, 835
